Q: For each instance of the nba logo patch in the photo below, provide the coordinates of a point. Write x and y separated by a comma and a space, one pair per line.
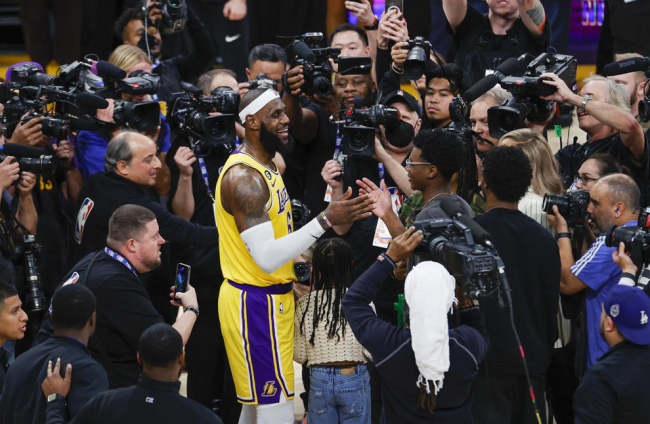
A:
82, 217
281, 308
73, 279
268, 174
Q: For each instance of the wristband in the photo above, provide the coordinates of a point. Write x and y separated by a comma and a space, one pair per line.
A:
374, 25
192, 308
563, 235
54, 397
327, 221
396, 69
628, 275
285, 86
388, 259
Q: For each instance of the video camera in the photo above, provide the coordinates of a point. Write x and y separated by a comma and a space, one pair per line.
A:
572, 206
636, 239
316, 71
526, 90
190, 115
418, 57
464, 249
359, 125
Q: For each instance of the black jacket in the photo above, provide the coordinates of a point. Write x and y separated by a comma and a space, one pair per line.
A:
615, 390
103, 193
149, 401
393, 356
23, 402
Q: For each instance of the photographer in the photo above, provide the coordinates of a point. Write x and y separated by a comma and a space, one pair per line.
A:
478, 116
268, 59
614, 390
603, 113
443, 84
426, 353
131, 29
532, 263
124, 309
510, 29
634, 84
191, 197
614, 201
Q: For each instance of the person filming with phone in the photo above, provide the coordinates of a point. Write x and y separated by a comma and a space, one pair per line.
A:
124, 309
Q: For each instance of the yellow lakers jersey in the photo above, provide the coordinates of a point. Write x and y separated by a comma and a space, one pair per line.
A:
236, 262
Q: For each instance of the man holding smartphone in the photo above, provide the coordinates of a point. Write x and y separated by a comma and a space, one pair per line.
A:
124, 309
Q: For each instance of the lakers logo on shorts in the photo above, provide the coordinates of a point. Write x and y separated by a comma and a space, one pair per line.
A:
269, 389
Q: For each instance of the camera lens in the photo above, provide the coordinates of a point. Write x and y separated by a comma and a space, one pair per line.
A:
559, 200
416, 63
57, 128
322, 87
302, 271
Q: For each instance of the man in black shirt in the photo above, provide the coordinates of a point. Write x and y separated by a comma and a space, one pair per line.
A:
604, 114
614, 390
154, 398
131, 166
74, 318
124, 309
510, 29
532, 262
13, 323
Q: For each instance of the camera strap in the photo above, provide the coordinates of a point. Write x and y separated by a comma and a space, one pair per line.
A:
120, 259
338, 156
204, 174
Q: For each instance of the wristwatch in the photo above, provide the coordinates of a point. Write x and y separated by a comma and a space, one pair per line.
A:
193, 309
584, 102
54, 397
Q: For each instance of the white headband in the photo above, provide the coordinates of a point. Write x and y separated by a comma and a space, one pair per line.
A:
257, 104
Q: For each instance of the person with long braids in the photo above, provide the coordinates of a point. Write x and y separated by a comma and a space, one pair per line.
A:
339, 381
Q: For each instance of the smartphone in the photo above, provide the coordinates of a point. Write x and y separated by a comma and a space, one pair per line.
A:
355, 65
182, 279
391, 5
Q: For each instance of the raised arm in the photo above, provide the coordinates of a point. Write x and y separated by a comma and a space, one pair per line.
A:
245, 196
183, 200
533, 16
303, 122
614, 117
455, 11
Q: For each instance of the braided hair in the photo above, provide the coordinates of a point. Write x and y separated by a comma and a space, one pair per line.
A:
332, 268
468, 175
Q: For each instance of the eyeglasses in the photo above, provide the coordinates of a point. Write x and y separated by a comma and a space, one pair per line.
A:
409, 163
583, 180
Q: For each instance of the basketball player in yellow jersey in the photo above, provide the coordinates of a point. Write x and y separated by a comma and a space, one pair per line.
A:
257, 244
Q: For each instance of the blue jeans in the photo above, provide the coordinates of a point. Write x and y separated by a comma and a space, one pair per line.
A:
336, 398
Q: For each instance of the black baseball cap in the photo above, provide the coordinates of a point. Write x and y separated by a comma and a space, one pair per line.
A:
404, 97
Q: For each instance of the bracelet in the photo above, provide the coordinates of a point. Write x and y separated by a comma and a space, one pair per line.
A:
563, 235
192, 308
396, 69
374, 25
327, 221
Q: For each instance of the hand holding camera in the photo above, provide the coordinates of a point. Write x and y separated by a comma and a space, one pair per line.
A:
623, 260
9, 172
26, 184
331, 173
28, 133
557, 220
295, 80
399, 54
563, 93
64, 153
403, 245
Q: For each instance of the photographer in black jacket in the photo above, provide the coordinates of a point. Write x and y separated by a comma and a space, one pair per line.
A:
130, 27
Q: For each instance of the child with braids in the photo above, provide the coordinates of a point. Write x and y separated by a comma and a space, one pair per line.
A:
339, 381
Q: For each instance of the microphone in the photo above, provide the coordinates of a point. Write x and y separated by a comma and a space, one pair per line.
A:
452, 209
18, 150
195, 91
78, 124
92, 101
633, 64
511, 66
303, 51
102, 67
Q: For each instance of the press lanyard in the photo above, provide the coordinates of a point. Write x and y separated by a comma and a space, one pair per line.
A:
381, 171
339, 144
120, 259
204, 174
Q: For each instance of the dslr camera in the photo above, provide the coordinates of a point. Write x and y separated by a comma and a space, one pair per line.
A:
190, 115
360, 126
418, 57
636, 239
29, 252
174, 16
526, 90
263, 81
315, 61
474, 266
572, 206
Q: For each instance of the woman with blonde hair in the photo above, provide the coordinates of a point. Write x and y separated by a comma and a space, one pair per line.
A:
546, 175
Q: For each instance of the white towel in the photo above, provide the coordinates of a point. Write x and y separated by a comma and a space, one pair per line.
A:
429, 293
